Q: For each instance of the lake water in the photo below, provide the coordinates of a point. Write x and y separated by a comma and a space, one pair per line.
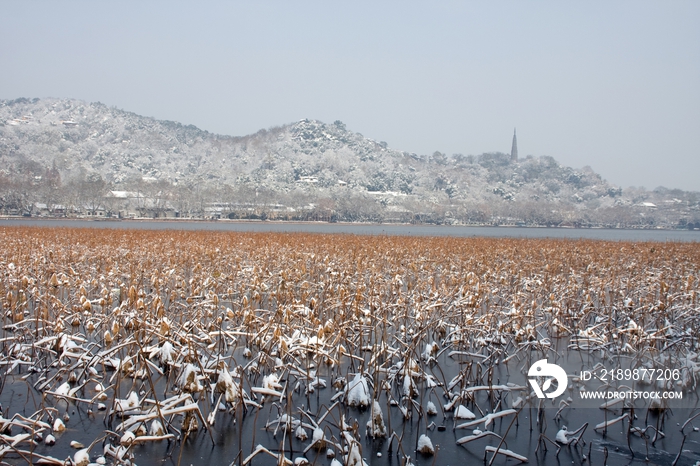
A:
239, 434
372, 229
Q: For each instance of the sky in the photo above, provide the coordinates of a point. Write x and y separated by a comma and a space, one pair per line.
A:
610, 85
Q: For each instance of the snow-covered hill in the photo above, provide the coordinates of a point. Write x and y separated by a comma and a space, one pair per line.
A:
311, 163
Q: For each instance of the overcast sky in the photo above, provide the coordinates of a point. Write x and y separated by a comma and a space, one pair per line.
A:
614, 85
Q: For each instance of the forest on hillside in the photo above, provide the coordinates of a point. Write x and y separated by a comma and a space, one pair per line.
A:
63, 157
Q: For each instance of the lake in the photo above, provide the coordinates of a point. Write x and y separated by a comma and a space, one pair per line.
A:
371, 229
97, 305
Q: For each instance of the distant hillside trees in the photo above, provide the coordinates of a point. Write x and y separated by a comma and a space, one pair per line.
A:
59, 156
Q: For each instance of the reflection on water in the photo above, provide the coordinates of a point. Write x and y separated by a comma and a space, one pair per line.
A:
234, 437
521, 432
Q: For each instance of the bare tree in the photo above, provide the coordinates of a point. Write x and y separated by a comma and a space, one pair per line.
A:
50, 189
90, 191
16, 195
158, 193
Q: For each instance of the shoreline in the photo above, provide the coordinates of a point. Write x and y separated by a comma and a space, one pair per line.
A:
350, 224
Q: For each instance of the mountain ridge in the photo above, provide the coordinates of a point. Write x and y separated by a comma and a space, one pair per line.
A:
308, 163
